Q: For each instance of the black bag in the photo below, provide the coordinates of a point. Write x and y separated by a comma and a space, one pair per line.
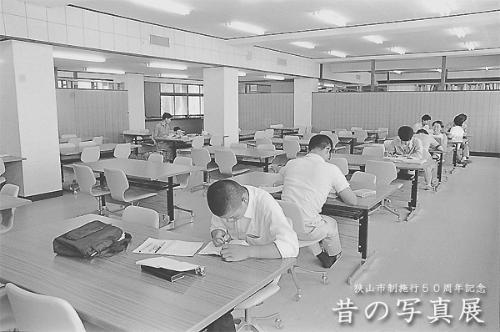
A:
93, 239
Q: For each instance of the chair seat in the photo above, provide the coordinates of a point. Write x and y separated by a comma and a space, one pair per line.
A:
259, 297
136, 194
98, 191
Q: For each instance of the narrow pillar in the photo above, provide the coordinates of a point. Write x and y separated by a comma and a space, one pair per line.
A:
443, 74
134, 84
372, 86
303, 89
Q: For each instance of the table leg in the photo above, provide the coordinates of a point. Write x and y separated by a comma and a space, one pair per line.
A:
352, 146
440, 166
455, 149
102, 180
412, 205
362, 249
170, 198
266, 165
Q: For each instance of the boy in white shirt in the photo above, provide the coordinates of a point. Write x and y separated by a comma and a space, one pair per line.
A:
457, 134
307, 182
428, 142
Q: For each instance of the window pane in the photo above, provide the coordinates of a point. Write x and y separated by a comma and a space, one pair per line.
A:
84, 85
194, 105
193, 89
201, 106
180, 88
167, 105
166, 87
201, 89
180, 105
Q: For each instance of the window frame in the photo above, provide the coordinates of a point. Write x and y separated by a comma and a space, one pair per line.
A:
186, 94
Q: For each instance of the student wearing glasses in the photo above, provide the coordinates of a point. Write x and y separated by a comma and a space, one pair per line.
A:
250, 214
307, 182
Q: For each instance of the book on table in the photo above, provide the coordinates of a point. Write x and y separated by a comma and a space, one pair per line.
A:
362, 193
169, 269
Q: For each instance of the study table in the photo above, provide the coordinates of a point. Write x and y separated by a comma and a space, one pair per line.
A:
7, 206
135, 134
263, 156
246, 134
10, 159
280, 132
152, 173
71, 155
114, 294
178, 142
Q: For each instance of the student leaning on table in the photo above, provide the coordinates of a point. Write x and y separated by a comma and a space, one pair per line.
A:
250, 214
307, 182
406, 145
428, 143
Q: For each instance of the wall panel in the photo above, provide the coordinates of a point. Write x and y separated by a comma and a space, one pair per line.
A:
258, 111
394, 109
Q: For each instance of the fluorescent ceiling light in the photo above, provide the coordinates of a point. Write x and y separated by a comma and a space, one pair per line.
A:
164, 5
375, 39
329, 16
274, 77
174, 75
459, 32
471, 46
242, 74
397, 49
303, 44
105, 70
78, 56
441, 7
337, 53
399, 72
246, 27
167, 65
329, 85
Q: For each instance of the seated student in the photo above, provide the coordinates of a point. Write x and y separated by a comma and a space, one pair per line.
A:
307, 182
457, 134
250, 214
178, 131
163, 130
406, 145
438, 132
428, 142
424, 124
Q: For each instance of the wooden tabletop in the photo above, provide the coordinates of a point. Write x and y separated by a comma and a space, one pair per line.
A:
9, 202
10, 159
114, 294
132, 132
248, 152
259, 179
360, 160
383, 191
142, 169
106, 147
184, 139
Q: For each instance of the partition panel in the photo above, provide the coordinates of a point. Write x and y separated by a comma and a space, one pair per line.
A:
259, 110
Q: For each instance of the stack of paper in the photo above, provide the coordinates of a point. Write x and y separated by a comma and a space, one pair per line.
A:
168, 247
364, 192
211, 249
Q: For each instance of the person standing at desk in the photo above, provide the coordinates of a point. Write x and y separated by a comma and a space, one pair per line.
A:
163, 130
307, 182
250, 214
424, 124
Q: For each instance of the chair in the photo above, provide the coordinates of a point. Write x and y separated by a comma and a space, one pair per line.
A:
216, 140
226, 160
382, 133
8, 219
385, 172
68, 136
141, 215
185, 182
75, 141
87, 182
361, 135
341, 163
295, 214
344, 133
201, 158
325, 132
198, 142
99, 140
122, 151
155, 157
364, 180
375, 150
260, 141
259, 134
269, 133
238, 145
387, 145
291, 137
120, 189
10, 189
2, 171
356, 128
291, 148
35, 312
90, 154
67, 148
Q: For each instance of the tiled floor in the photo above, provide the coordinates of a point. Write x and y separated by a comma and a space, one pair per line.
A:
453, 239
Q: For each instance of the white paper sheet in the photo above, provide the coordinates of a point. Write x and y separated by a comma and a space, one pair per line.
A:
167, 263
168, 247
403, 159
211, 249
364, 192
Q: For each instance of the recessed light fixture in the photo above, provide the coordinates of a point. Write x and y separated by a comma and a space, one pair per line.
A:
167, 65
169, 75
165, 6
274, 77
246, 27
329, 85
471, 46
399, 72
105, 70
242, 73
337, 53
437, 70
329, 16
375, 39
459, 32
304, 44
441, 7
78, 56
397, 49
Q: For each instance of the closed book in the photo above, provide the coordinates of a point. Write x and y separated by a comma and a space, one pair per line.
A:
163, 273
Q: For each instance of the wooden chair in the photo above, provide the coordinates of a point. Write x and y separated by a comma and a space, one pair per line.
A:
120, 189
342, 164
226, 160
35, 312
122, 151
291, 148
141, 215
90, 154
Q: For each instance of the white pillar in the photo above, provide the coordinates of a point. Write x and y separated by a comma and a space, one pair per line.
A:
303, 89
220, 98
134, 84
28, 116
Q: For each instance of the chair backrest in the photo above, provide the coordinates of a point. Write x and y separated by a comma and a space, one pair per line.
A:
216, 140
85, 178
2, 166
198, 142
292, 137
155, 157
291, 148
266, 147
387, 144
117, 183
260, 141
385, 171
238, 145
35, 312
269, 133
10, 189
122, 151
382, 133
75, 141
344, 133
364, 180
356, 128
259, 134
140, 215
183, 179
201, 157
67, 147
99, 140
293, 212
90, 154
361, 135
341, 163
374, 150
87, 144
225, 159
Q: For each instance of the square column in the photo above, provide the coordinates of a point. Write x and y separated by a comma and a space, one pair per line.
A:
220, 98
134, 84
303, 89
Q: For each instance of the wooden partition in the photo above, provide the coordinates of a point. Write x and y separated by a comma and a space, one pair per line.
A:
259, 110
395, 109
89, 113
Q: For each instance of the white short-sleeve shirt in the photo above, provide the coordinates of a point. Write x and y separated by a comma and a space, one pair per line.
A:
457, 134
307, 182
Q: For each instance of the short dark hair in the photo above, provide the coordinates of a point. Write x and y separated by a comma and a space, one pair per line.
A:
459, 119
222, 195
439, 122
464, 116
422, 131
405, 133
426, 117
320, 141
166, 116
177, 128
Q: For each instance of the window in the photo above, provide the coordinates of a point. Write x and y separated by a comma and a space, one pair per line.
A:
184, 100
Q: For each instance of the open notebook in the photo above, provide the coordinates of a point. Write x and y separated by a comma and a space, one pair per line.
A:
403, 159
211, 249
168, 247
